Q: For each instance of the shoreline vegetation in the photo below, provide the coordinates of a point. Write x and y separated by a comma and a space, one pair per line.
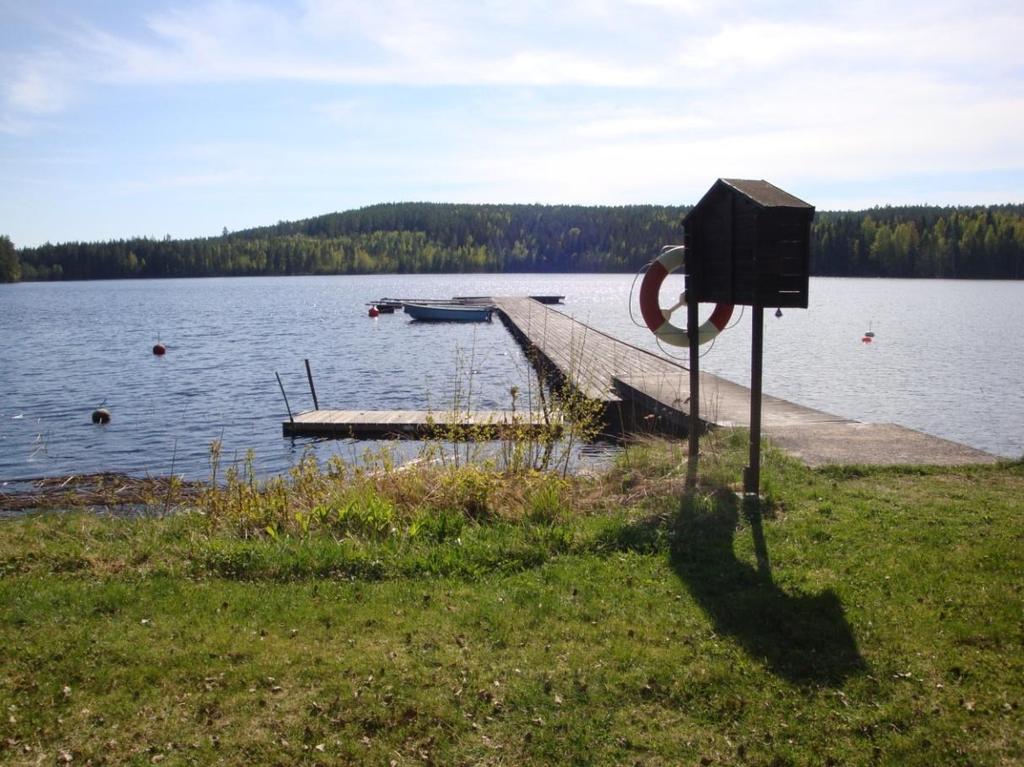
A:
452, 612
969, 242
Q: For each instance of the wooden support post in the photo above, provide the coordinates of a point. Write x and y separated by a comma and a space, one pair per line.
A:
693, 334
286, 405
752, 475
309, 375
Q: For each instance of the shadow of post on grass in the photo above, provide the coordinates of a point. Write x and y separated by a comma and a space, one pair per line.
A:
803, 638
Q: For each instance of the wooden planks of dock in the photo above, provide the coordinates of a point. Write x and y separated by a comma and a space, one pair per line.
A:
650, 391
363, 424
642, 391
584, 356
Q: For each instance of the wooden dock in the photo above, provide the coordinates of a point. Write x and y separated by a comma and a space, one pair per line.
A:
418, 424
644, 391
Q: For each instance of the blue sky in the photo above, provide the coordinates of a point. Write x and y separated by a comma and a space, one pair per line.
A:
151, 118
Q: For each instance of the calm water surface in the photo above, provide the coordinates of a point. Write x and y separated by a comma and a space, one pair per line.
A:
947, 359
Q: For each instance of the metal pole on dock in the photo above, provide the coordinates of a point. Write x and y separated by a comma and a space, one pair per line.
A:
309, 375
287, 406
752, 475
693, 335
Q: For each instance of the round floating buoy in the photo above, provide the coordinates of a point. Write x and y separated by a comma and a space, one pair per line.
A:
657, 319
159, 350
101, 415
374, 311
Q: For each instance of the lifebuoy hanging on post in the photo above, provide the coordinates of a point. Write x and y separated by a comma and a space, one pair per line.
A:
657, 319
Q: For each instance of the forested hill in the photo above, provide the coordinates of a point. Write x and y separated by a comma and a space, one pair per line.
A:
970, 242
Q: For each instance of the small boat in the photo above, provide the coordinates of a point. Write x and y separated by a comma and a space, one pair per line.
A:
449, 313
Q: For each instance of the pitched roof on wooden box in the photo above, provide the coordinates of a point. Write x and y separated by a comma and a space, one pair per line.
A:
765, 193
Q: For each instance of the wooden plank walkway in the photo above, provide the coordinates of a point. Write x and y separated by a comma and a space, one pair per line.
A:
582, 355
653, 392
358, 424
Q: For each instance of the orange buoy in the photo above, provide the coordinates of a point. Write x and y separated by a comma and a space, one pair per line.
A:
159, 350
374, 311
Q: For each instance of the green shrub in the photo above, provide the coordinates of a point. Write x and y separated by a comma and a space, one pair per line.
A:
437, 525
368, 514
469, 490
545, 500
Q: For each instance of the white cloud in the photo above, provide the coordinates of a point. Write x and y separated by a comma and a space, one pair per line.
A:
755, 46
37, 85
643, 125
958, 42
815, 128
687, 7
446, 42
499, 100
537, 67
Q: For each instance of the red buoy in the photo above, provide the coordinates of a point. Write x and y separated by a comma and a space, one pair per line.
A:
159, 350
866, 340
374, 311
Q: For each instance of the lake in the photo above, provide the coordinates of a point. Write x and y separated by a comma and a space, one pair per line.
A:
947, 359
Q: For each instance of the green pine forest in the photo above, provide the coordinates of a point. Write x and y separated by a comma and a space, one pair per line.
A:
982, 242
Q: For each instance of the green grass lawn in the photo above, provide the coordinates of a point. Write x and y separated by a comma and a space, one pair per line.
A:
868, 616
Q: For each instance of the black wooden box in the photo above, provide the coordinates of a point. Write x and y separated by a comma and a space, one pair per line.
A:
748, 242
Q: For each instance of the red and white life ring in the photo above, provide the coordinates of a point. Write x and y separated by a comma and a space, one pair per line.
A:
657, 319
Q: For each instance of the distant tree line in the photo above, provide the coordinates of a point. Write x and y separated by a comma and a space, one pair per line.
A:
971, 242
10, 265
977, 242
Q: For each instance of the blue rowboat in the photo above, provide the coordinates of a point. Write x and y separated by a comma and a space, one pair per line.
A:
449, 313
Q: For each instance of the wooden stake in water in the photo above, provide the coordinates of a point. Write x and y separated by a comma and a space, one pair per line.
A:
287, 406
309, 375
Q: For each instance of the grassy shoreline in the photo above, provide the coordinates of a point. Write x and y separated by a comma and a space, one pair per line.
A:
457, 615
